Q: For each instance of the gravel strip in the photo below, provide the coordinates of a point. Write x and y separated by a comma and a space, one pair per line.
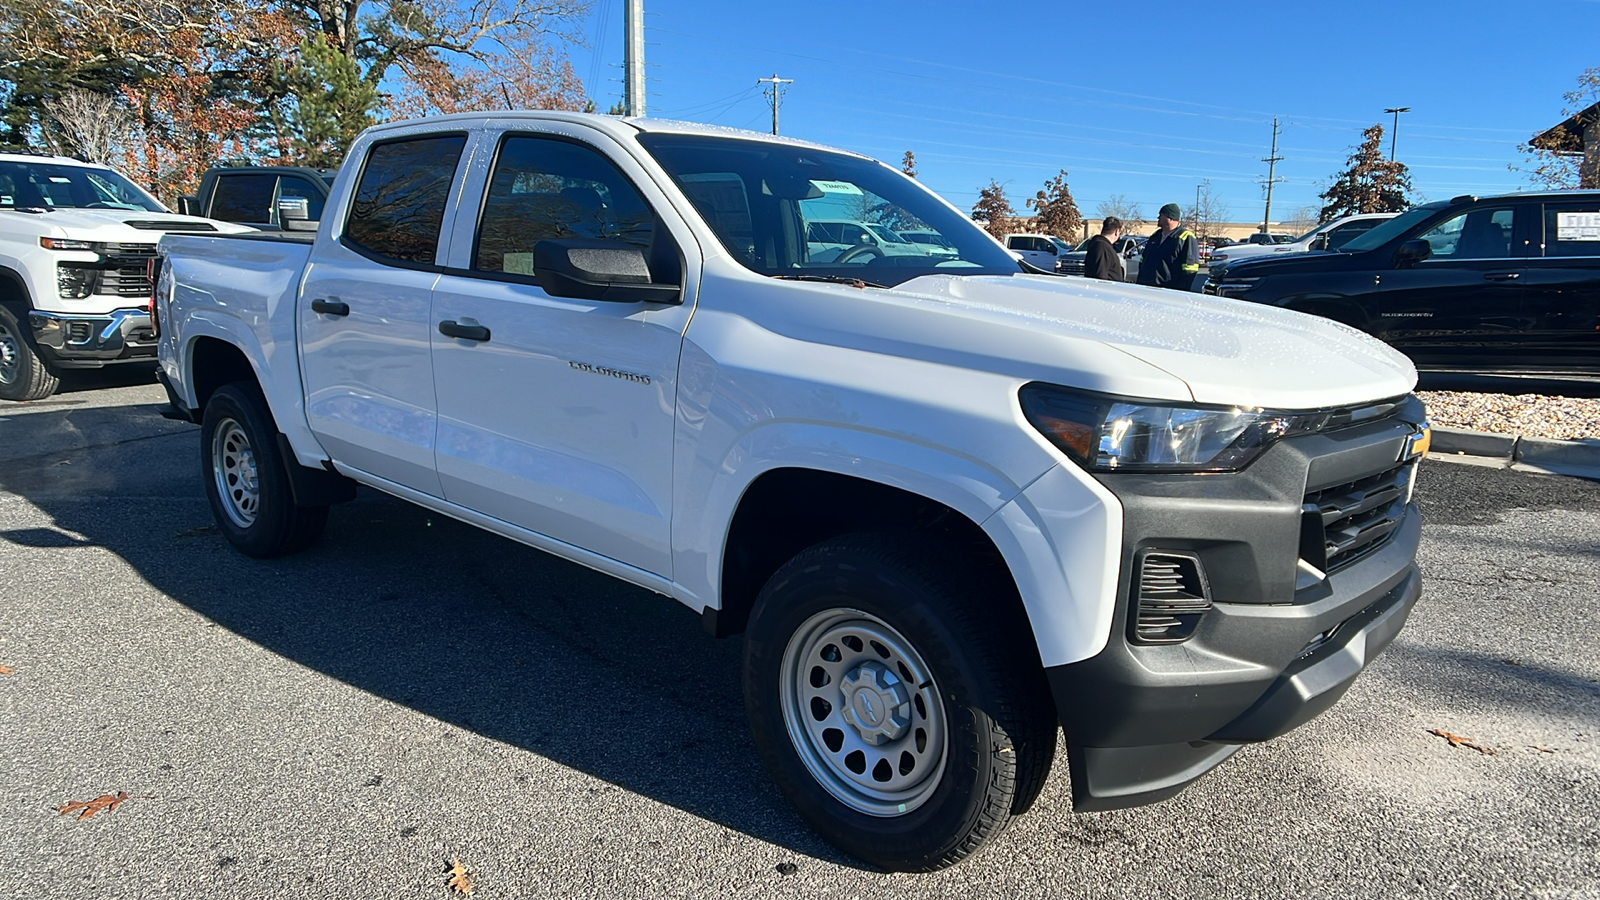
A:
1532, 415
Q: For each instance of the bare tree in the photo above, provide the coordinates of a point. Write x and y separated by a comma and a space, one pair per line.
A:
1573, 158
93, 127
1133, 221
993, 209
1303, 219
908, 164
1208, 213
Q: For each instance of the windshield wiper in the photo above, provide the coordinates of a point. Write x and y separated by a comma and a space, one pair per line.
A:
833, 279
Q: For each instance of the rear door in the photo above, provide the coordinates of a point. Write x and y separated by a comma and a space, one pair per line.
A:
560, 419
1563, 287
366, 319
1462, 307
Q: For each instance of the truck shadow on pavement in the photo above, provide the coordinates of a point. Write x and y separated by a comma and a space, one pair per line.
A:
447, 620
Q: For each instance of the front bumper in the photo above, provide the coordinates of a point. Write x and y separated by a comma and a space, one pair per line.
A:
89, 341
1276, 648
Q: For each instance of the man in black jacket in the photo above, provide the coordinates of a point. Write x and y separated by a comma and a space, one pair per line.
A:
1101, 259
1172, 255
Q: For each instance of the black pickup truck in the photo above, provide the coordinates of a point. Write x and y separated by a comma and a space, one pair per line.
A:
1507, 284
271, 198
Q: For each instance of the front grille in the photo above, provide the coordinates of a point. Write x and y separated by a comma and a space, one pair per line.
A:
1173, 595
1074, 267
1346, 522
126, 280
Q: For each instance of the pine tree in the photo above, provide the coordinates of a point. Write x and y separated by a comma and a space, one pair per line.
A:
1370, 184
333, 103
1055, 212
993, 209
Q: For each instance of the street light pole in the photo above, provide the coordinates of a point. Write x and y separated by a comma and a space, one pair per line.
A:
1396, 131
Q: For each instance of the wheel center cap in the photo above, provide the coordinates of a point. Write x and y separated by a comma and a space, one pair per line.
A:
877, 703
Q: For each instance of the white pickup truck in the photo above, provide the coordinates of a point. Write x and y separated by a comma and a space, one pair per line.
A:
76, 240
954, 508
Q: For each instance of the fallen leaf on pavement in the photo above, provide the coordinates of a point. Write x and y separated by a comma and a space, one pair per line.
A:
459, 882
7, 670
87, 808
1457, 740
1542, 749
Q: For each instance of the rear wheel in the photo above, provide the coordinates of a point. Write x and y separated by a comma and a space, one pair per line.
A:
23, 375
246, 479
891, 702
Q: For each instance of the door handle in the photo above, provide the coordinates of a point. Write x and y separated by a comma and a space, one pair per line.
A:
332, 306
1502, 276
474, 332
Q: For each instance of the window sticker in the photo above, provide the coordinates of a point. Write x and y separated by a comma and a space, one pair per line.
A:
1581, 226
837, 187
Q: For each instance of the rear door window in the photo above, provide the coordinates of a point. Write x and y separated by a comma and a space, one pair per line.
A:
399, 202
243, 197
1572, 228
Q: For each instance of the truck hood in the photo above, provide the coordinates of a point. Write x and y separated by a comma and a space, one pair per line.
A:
1223, 351
114, 224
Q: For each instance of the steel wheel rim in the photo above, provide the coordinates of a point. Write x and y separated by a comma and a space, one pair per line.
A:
862, 710
233, 466
10, 356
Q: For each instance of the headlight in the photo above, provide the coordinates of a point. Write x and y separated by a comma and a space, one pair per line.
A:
1117, 434
50, 243
1232, 286
1218, 257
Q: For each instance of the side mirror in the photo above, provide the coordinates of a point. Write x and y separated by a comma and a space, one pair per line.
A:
613, 271
1320, 242
294, 214
186, 205
1412, 252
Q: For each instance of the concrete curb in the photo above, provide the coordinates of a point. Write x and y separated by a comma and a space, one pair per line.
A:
1580, 459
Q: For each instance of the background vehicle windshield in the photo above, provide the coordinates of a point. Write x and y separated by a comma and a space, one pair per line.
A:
782, 210
53, 186
1389, 229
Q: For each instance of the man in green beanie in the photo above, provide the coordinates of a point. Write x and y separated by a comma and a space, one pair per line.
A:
1172, 255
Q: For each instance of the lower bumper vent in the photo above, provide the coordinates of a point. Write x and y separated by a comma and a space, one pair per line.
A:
1172, 595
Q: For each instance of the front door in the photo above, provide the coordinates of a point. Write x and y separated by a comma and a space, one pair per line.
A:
1462, 306
365, 319
561, 420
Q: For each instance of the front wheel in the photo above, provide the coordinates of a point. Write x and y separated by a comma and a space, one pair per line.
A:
23, 375
246, 479
891, 701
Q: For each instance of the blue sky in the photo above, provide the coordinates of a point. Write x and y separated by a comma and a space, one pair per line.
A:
1127, 102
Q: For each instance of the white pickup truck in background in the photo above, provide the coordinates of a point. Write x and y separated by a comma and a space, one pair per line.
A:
955, 509
1328, 236
76, 241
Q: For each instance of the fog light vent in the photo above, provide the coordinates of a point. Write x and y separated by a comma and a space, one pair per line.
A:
78, 332
1172, 596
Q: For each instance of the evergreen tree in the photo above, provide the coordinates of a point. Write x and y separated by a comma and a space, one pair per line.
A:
1371, 184
908, 164
993, 209
332, 104
1055, 212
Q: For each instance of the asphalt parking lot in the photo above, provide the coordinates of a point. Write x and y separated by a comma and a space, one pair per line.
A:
411, 692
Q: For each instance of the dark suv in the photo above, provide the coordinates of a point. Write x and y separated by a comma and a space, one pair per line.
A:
1492, 284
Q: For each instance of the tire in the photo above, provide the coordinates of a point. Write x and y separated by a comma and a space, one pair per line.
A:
23, 375
890, 702
246, 480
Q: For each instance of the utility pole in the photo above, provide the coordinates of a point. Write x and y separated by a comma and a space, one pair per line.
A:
774, 95
633, 59
1396, 131
1272, 163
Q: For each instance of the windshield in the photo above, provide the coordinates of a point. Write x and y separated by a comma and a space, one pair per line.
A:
1390, 229
787, 211
43, 185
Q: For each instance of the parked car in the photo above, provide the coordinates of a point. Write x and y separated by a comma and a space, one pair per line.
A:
1128, 247
1269, 238
264, 197
842, 241
1493, 284
76, 241
956, 508
936, 244
1038, 250
1327, 236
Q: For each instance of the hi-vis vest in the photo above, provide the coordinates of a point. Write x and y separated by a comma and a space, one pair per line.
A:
1189, 268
